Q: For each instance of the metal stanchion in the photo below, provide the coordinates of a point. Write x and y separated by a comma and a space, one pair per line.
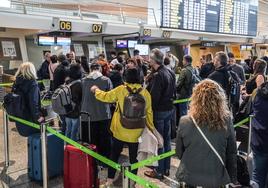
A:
44, 154
6, 139
125, 179
249, 135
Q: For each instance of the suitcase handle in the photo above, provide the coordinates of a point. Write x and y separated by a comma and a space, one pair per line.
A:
88, 115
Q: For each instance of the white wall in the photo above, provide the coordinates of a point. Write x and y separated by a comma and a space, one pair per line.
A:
35, 52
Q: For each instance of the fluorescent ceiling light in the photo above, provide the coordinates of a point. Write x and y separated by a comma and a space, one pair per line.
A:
5, 3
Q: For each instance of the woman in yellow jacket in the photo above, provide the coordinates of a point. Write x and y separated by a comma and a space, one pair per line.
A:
121, 135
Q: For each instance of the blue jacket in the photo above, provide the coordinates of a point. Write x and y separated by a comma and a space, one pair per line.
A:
259, 140
32, 111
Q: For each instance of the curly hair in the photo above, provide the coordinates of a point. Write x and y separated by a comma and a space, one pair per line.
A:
209, 105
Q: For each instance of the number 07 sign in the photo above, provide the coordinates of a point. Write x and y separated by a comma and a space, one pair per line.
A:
96, 28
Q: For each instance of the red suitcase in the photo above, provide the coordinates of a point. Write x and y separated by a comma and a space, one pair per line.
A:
80, 169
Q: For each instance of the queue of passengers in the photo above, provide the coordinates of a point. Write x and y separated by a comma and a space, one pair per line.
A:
208, 116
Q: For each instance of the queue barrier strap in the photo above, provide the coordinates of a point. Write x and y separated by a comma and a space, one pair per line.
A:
107, 161
241, 122
152, 159
97, 156
181, 101
140, 180
11, 83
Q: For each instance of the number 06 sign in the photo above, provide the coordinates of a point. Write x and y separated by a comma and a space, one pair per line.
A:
65, 26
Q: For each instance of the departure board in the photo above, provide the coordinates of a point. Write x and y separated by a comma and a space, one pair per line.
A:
223, 16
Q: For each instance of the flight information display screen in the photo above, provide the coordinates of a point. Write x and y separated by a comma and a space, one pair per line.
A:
219, 16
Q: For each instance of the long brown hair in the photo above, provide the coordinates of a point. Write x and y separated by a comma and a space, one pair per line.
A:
209, 105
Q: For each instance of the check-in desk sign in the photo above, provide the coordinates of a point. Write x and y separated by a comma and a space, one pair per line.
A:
65, 26
166, 34
97, 28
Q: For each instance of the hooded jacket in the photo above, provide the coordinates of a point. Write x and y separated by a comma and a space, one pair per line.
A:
259, 140
31, 97
97, 110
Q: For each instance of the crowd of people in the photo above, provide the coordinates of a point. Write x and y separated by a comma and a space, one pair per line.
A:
205, 143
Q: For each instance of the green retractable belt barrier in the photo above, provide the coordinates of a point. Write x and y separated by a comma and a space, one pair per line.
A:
107, 161
97, 156
11, 83
25, 122
85, 149
140, 180
151, 160
181, 101
241, 122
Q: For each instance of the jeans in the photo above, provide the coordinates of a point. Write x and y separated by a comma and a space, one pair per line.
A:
162, 123
183, 108
260, 168
72, 128
117, 147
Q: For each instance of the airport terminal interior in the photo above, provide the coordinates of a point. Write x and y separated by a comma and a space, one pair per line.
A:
111, 93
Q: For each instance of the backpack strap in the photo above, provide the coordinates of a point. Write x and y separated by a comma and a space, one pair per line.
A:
134, 91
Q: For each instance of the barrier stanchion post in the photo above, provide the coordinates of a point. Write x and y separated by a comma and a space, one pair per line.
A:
249, 135
6, 139
44, 154
125, 167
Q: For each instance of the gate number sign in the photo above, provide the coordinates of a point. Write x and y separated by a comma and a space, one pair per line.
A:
96, 28
65, 26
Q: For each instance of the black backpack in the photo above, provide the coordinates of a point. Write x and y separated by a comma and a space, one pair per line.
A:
133, 115
233, 88
14, 102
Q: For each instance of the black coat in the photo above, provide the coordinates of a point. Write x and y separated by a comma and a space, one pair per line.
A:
206, 70
61, 72
43, 72
162, 89
221, 76
32, 108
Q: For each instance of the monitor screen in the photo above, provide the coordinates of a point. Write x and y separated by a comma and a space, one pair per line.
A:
243, 47
249, 47
121, 43
231, 17
63, 41
132, 43
46, 41
143, 48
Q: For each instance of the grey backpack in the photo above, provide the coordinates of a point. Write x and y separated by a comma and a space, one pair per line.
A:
61, 99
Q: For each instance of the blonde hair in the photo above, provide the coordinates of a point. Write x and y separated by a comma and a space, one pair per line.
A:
27, 71
209, 105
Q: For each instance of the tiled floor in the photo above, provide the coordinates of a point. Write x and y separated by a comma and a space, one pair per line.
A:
15, 175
